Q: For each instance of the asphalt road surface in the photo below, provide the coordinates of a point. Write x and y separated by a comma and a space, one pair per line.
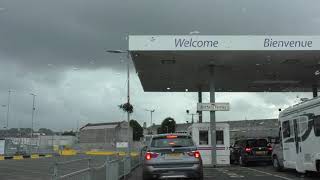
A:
256, 172
41, 169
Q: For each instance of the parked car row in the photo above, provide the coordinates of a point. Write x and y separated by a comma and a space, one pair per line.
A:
245, 151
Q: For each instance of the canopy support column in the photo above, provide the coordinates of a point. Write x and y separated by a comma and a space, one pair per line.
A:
213, 118
200, 101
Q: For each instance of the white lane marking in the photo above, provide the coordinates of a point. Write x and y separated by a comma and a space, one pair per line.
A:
282, 177
230, 174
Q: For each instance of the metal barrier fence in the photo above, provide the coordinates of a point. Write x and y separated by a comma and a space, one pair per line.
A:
21, 148
111, 169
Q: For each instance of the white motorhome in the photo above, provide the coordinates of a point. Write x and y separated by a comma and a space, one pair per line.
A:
200, 133
299, 146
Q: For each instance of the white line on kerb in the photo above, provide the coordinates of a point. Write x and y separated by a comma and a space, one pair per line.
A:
282, 177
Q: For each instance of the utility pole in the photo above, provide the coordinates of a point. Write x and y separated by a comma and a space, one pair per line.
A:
33, 109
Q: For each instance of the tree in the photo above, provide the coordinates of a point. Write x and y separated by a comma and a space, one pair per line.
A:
137, 130
13, 132
45, 131
25, 132
159, 130
126, 107
68, 133
168, 125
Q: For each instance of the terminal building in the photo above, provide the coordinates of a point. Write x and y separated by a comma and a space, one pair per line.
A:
104, 135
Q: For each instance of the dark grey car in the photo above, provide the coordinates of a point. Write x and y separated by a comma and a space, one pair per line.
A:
172, 156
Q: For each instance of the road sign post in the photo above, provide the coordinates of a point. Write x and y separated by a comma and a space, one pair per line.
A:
213, 106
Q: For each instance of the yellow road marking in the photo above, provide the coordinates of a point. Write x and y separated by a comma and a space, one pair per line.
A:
48, 155
35, 156
108, 153
17, 157
101, 153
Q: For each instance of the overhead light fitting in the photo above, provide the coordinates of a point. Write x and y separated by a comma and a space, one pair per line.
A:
168, 88
291, 61
168, 61
275, 82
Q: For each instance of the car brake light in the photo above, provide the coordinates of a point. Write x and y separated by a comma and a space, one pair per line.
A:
150, 155
195, 154
248, 149
171, 137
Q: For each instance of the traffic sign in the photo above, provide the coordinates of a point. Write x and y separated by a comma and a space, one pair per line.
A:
213, 107
122, 145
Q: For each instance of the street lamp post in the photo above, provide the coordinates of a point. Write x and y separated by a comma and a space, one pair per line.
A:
8, 109
33, 109
151, 111
128, 92
4, 117
192, 114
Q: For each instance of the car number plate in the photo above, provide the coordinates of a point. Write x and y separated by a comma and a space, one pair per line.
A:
260, 153
173, 156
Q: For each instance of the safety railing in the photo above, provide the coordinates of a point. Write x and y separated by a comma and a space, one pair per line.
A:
64, 170
112, 169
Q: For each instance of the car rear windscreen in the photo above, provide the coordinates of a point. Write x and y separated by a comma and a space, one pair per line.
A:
257, 143
171, 141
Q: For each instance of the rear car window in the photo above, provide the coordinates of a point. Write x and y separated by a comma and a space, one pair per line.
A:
257, 143
171, 141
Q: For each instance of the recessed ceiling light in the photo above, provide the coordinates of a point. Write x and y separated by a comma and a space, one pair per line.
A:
187, 90
168, 88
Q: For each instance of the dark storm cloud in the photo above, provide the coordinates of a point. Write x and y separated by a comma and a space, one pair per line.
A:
56, 48
76, 32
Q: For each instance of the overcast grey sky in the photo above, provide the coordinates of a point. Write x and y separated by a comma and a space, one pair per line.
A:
56, 49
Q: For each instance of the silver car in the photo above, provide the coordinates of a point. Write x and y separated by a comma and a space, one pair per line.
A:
172, 156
